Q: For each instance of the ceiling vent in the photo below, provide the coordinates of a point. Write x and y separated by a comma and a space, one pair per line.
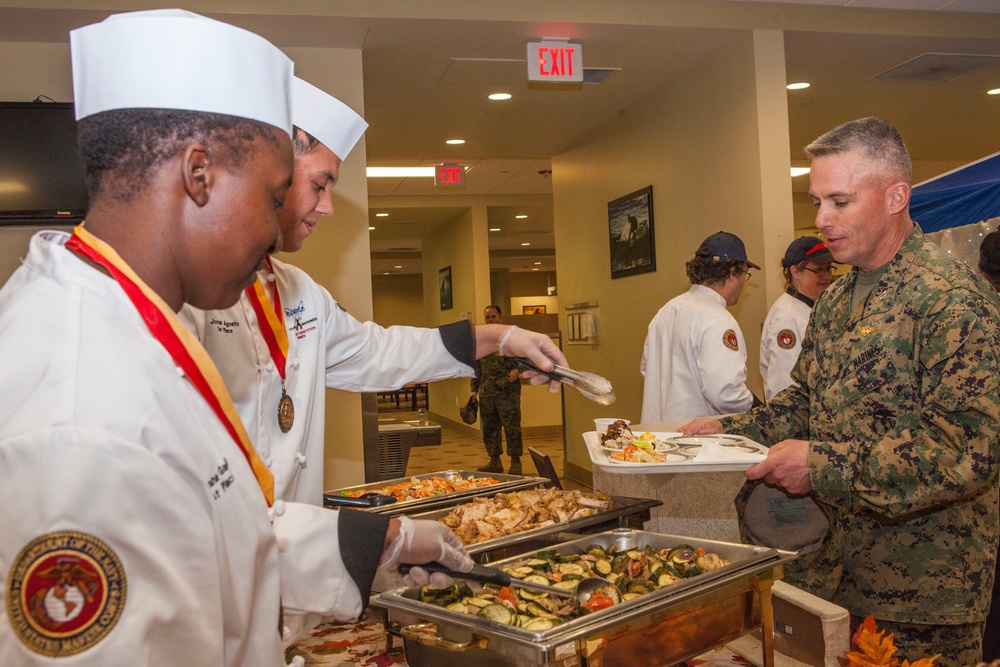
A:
403, 223
596, 75
404, 249
939, 67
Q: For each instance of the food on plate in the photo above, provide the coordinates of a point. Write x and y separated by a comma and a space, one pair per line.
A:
632, 572
642, 452
515, 512
425, 488
618, 432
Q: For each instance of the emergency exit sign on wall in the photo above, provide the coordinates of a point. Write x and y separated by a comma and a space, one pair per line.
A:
449, 174
555, 60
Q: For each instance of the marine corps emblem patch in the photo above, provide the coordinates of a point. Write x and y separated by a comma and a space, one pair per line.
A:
786, 339
65, 592
730, 340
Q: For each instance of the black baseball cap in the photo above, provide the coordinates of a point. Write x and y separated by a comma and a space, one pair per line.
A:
806, 247
721, 246
989, 252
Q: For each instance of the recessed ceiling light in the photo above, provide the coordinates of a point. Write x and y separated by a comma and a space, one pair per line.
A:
799, 171
386, 273
399, 172
534, 269
525, 244
500, 96
798, 86
371, 229
494, 229
455, 142
995, 91
537, 263
520, 217
398, 266
381, 215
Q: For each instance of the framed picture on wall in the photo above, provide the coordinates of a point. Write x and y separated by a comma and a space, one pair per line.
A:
532, 310
444, 286
630, 230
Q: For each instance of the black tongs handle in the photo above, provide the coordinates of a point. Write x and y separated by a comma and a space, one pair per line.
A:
480, 573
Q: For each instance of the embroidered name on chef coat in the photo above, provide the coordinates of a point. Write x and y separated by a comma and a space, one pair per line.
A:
65, 592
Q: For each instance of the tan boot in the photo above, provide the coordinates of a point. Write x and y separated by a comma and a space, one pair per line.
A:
515, 467
495, 465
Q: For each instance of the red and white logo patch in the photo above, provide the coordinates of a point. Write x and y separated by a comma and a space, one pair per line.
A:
786, 339
65, 592
730, 340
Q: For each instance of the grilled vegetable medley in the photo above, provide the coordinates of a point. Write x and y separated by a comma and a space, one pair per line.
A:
633, 572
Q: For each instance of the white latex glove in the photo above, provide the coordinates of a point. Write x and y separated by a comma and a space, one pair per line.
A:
536, 348
421, 542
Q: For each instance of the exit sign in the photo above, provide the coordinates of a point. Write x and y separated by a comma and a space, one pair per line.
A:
449, 174
555, 61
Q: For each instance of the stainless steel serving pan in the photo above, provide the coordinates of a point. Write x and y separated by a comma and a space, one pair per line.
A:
664, 627
624, 513
335, 499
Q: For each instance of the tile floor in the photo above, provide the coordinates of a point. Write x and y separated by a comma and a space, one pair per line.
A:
459, 452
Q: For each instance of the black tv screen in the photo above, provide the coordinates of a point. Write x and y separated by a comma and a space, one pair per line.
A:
41, 176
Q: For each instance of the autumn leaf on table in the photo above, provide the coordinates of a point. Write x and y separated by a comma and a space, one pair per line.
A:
871, 648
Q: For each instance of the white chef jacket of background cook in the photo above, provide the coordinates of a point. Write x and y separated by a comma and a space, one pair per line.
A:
100, 433
776, 363
689, 372
327, 347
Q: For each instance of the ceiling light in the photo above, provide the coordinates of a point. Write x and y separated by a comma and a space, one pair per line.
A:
371, 229
534, 269
398, 266
536, 263
381, 215
494, 229
995, 91
520, 217
500, 96
455, 142
525, 244
798, 86
386, 273
399, 172
799, 171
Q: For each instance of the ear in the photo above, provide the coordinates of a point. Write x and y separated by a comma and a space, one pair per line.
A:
898, 197
197, 173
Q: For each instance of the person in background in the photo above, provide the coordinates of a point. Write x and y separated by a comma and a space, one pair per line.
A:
286, 340
497, 383
139, 524
989, 267
808, 270
694, 360
895, 423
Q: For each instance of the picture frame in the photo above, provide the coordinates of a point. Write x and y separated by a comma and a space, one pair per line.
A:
630, 234
532, 310
445, 287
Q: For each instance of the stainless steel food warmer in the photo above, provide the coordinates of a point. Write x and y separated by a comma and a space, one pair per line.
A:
663, 627
335, 498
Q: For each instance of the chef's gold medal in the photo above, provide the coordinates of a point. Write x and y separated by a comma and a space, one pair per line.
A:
271, 320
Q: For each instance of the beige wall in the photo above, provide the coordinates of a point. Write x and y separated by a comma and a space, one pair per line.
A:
697, 143
398, 299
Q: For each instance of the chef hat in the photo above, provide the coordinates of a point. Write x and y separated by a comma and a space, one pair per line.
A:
173, 59
325, 117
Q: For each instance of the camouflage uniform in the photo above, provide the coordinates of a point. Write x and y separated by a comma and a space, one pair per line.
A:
899, 402
499, 404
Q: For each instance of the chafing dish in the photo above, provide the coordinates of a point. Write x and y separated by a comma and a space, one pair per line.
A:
664, 627
624, 513
335, 498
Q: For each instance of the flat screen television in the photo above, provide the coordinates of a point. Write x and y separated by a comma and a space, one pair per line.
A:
41, 176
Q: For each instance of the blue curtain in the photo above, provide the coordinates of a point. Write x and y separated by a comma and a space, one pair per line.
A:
965, 196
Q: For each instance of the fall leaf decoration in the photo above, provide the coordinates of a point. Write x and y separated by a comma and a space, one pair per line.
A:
871, 649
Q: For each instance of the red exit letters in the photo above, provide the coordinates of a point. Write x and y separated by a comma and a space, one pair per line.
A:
555, 61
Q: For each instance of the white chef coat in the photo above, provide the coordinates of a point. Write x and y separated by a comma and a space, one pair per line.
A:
694, 360
102, 435
781, 341
327, 347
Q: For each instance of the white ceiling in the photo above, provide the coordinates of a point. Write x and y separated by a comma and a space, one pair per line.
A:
429, 65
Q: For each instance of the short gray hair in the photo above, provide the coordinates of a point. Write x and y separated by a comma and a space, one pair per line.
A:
877, 140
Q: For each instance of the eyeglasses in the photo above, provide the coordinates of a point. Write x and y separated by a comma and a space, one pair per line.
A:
746, 275
829, 270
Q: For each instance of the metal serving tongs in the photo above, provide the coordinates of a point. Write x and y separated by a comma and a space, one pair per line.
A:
592, 386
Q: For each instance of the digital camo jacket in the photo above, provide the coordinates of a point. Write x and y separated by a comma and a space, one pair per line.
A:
899, 402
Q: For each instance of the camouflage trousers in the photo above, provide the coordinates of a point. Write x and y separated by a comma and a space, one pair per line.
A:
505, 411
959, 645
